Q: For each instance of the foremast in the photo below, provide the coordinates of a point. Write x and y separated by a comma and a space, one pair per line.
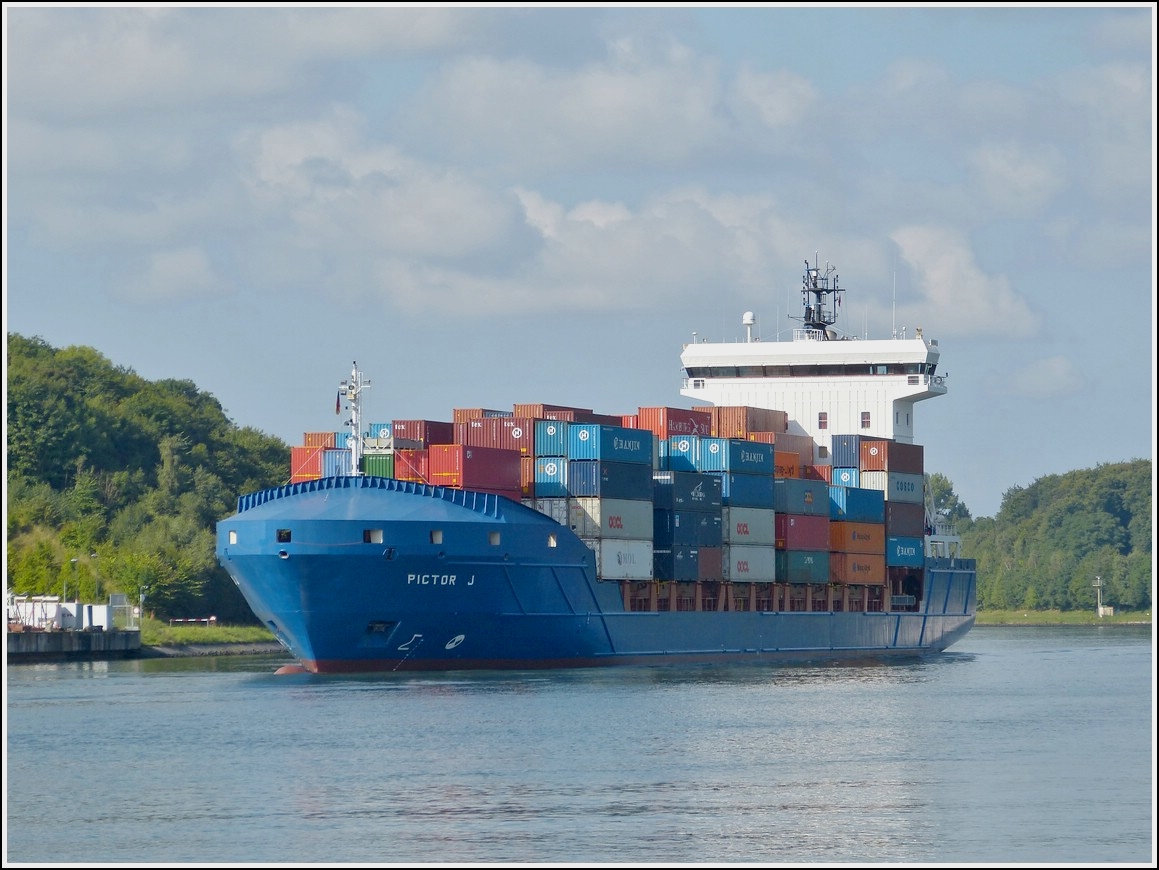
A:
352, 389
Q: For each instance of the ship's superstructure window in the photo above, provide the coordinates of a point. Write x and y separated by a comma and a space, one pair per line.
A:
283, 536
372, 536
493, 539
828, 370
436, 536
232, 536
822, 420
865, 420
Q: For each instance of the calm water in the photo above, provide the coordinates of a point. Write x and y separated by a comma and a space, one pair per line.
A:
1020, 745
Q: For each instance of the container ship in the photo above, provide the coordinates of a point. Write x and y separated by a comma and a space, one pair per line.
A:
785, 516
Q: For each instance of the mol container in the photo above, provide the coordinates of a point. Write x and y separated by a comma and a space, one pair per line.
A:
618, 559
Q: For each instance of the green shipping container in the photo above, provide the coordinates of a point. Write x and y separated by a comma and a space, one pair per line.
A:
378, 464
802, 566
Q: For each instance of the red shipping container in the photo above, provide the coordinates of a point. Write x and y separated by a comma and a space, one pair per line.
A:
305, 463
601, 419
665, 422
549, 412
801, 532
817, 472
629, 421
464, 467
425, 432
459, 415
892, 456
410, 465
904, 519
710, 563
507, 433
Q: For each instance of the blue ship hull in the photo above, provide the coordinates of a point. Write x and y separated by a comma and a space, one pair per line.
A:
365, 574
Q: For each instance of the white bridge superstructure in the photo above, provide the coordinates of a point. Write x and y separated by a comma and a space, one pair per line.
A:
826, 383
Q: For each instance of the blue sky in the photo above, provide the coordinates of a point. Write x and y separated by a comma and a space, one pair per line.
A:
485, 206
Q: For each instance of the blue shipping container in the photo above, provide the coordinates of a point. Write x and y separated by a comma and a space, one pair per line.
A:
592, 478
683, 452
735, 455
551, 438
904, 553
686, 490
335, 463
694, 528
844, 476
378, 430
796, 495
609, 443
846, 451
852, 505
551, 477
675, 563
745, 490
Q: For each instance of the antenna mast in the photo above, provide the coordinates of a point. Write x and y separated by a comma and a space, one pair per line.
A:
352, 389
820, 311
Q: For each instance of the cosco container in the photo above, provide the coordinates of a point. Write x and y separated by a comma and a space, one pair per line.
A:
749, 563
610, 518
686, 490
795, 495
746, 525
905, 552
609, 443
895, 485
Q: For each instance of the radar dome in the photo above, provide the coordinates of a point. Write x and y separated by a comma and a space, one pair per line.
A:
748, 319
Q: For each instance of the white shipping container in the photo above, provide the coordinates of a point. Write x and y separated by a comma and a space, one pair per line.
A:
896, 485
610, 518
749, 563
556, 508
618, 559
748, 525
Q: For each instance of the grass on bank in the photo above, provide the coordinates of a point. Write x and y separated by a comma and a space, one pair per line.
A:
1061, 617
155, 632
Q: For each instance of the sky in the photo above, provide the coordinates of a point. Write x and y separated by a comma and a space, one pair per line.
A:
484, 206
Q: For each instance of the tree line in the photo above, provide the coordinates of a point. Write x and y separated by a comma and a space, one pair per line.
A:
116, 484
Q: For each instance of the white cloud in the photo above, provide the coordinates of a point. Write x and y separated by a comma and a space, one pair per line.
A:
1016, 179
175, 274
1047, 378
958, 297
778, 99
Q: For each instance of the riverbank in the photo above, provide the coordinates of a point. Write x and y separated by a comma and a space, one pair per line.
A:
1059, 617
178, 650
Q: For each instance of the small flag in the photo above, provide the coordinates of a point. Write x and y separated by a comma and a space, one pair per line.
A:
338, 403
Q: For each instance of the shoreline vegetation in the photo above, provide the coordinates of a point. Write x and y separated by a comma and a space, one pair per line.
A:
161, 640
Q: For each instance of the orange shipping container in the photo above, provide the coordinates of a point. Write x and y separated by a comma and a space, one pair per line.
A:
460, 415
817, 472
737, 421
860, 568
550, 412
527, 476
786, 464
319, 439
857, 538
